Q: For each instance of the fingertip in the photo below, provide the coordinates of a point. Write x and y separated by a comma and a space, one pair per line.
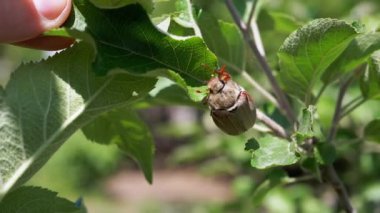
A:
53, 13
26, 19
50, 9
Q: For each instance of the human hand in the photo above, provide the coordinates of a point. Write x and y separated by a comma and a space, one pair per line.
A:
23, 21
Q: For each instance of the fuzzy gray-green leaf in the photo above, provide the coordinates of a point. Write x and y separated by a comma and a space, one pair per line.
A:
307, 53
272, 151
124, 128
44, 103
37, 200
356, 53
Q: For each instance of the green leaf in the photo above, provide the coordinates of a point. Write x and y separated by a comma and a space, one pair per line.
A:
272, 152
251, 145
30, 199
224, 39
308, 52
370, 80
125, 38
124, 128
165, 9
371, 131
167, 92
355, 54
308, 125
280, 22
147, 4
196, 94
173, 90
311, 165
324, 153
179, 29
46, 102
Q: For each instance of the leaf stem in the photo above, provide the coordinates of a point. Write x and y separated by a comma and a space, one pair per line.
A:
253, 8
352, 106
258, 87
276, 128
281, 98
338, 109
353, 101
251, 81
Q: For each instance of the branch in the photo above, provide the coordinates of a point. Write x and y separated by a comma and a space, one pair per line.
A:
332, 176
253, 8
339, 188
338, 109
276, 128
251, 81
283, 102
351, 107
259, 88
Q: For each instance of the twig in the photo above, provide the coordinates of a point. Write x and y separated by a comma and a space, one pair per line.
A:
290, 181
253, 8
338, 108
271, 124
251, 81
332, 176
352, 102
340, 189
258, 87
352, 107
283, 102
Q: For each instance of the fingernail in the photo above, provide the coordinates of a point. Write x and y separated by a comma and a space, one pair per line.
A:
50, 9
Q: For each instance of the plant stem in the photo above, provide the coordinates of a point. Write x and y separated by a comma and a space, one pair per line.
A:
338, 108
258, 87
351, 107
276, 128
331, 174
251, 13
252, 81
283, 102
339, 188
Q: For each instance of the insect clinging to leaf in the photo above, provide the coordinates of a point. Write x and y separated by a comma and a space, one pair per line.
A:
232, 108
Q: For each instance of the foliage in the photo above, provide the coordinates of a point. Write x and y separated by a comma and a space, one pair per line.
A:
35, 199
126, 59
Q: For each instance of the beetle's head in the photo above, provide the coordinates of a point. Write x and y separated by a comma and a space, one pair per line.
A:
215, 85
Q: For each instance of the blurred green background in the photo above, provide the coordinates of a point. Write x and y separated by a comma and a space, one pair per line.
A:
198, 168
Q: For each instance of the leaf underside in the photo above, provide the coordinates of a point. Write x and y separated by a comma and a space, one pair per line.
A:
36, 200
44, 103
125, 38
124, 128
271, 151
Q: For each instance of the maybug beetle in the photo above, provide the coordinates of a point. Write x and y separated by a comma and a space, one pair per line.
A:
232, 108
